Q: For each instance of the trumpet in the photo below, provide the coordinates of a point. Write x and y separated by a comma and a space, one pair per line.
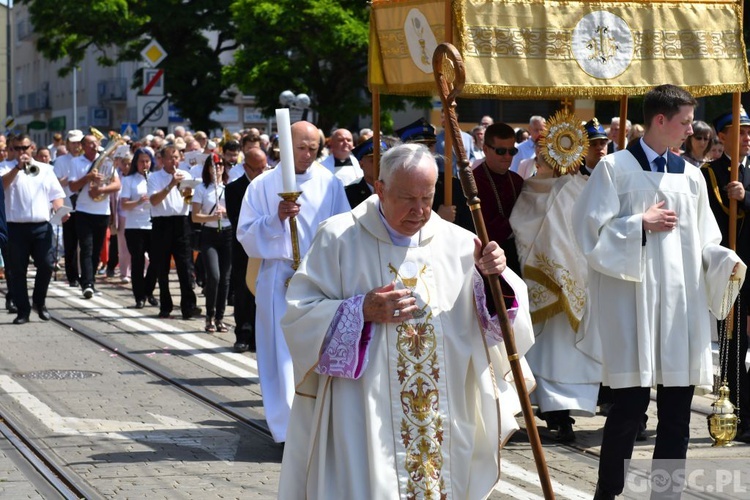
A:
32, 168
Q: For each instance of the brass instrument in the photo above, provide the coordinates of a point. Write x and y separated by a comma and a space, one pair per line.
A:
104, 164
32, 168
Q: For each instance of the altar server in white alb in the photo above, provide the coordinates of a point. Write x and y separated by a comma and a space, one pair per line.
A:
263, 230
657, 272
399, 365
555, 271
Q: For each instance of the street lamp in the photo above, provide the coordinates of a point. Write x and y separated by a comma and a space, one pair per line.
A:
300, 101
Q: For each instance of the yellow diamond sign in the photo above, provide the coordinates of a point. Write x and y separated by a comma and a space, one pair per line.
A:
153, 53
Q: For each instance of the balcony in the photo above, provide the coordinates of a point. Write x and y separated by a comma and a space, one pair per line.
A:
113, 89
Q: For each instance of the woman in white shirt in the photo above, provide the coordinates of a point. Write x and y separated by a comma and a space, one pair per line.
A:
209, 209
135, 203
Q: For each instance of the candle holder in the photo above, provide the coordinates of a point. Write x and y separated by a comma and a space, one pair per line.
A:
296, 258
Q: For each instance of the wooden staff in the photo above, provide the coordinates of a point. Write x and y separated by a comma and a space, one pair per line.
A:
623, 123
449, 72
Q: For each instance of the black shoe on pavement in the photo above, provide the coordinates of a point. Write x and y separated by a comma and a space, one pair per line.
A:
10, 306
164, 314
192, 313
152, 301
139, 304
600, 494
74, 284
240, 347
565, 432
43, 313
21, 320
641, 436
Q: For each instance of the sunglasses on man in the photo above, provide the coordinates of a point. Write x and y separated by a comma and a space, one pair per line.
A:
502, 151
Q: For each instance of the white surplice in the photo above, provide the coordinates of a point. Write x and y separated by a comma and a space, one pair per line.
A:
263, 236
649, 307
555, 272
425, 413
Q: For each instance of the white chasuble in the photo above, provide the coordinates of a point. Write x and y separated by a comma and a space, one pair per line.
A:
555, 271
649, 305
434, 403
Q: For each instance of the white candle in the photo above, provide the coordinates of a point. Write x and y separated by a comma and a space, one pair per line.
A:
285, 150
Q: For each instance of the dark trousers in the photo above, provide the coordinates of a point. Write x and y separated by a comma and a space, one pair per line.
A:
735, 356
114, 254
216, 252
70, 245
91, 230
8, 275
30, 239
628, 408
171, 239
139, 244
244, 300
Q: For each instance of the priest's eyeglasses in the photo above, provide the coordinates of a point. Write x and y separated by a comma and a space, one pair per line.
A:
502, 151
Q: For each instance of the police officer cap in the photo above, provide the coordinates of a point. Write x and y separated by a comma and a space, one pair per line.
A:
725, 120
366, 148
595, 130
419, 131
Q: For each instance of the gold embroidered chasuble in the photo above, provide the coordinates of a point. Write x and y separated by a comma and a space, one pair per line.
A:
429, 414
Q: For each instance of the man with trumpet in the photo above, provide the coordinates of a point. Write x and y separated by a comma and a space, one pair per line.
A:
29, 191
169, 219
94, 179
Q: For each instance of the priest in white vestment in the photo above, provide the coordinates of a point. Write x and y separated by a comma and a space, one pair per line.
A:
403, 385
555, 272
656, 273
263, 231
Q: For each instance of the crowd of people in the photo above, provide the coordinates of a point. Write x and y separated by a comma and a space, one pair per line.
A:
390, 299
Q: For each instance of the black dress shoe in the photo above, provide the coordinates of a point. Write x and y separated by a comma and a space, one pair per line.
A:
74, 284
641, 436
139, 304
152, 301
600, 494
164, 314
241, 347
43, 313
565, 432
21, 320
10, 306
192, 313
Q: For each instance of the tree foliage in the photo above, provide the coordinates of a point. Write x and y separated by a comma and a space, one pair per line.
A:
119, 29
318, 47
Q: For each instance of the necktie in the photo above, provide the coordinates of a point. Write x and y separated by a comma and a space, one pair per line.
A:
660, 163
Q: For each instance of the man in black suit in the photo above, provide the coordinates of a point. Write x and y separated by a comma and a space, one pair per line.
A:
244, 302
720, 190
359, 192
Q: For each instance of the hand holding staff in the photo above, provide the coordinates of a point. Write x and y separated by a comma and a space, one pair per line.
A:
450, 76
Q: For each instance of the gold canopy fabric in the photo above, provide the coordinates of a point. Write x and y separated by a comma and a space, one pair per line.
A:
516, 48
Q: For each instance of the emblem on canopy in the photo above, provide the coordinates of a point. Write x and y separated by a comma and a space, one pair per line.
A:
603, 44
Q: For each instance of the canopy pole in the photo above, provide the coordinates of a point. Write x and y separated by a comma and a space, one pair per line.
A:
623, 123
448, 149
375, 134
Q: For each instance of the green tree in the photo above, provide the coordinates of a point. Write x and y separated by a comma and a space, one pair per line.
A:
119, 29
318, 47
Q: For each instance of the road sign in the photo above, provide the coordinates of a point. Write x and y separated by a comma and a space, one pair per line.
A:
160, 116
153, 53
129, 129
153, 82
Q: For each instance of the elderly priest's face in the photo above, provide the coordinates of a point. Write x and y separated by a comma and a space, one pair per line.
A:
406, 194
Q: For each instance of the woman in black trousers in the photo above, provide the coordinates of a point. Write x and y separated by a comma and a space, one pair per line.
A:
209, 209
134, 201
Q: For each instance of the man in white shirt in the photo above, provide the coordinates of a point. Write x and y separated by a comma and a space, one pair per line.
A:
171, 229
527, 148
70, 236
27, 206
94, 187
